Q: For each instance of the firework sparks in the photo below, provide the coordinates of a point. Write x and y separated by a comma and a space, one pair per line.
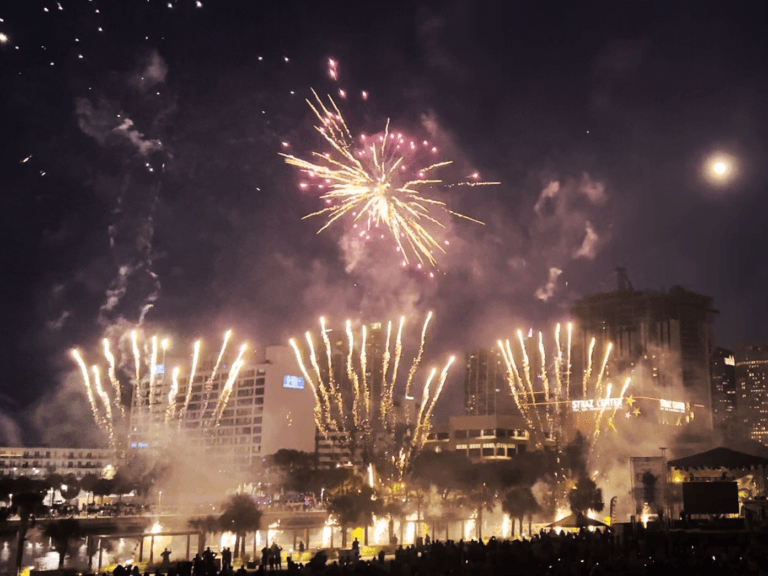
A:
568, 373
588, 371
107, 420
209, 383
87, 382
171, 411
227, 391
363, 419
112, 375
195, 358
601, 374
417, 360
369, 184
136, 358
152, 371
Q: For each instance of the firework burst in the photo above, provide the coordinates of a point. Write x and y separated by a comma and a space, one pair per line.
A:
544, 409
377, 183
354, 394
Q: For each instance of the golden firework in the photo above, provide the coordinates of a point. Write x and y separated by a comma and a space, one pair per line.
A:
376, 185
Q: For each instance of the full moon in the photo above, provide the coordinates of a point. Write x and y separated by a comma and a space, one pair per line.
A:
719, 168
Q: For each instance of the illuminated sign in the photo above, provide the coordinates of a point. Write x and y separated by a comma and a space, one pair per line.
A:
295, 382
671, 406
730, 361
595, 405
160, 369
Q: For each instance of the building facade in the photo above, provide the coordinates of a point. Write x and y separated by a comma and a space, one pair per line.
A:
488, 437
39, 462
269, 407
723, 379
751, 373
486, 391
663, 340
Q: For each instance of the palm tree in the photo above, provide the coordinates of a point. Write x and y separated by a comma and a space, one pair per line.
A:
61, 532
520, 502
204, 526
586, 496
351, 509
70, 487
241, 515
25, 504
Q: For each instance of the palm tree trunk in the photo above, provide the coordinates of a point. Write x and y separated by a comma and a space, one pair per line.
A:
22, 537
344, 537
237, 545
365, 535
242, 545
61, 559
480, 523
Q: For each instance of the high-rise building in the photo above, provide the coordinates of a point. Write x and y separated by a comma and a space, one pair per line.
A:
662, 339
752, 388
486, 391
269, 407
723, 377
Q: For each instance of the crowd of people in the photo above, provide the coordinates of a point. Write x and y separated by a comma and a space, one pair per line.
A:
599, 553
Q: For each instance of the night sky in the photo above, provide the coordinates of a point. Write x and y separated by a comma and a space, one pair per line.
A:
144, 136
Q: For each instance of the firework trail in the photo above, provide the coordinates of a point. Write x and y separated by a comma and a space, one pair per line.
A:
513, 378
318, 410
136, 359
112, 375
588, 371
195, 358
602, 411
209, 383
331, 382
544, 376
366, 392
424, 404
316, 366
417, 360
171, 412
352, 375
568, 373
526, 364
558, 363
227, 391
152, 370
621, 403
441, 383
424, 417
385, 367
368, 423
87, 381
107, 420
398, 352
367, 183
598, 385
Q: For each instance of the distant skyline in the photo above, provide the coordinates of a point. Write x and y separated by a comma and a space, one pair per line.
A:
145, 138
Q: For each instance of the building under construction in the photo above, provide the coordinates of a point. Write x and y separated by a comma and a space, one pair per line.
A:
662, 339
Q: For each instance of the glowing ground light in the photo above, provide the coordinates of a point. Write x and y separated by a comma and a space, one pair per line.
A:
3, 38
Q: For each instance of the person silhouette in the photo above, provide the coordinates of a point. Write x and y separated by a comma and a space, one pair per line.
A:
166, 556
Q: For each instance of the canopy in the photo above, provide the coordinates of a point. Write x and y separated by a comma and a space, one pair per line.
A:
576, 521
719, 458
